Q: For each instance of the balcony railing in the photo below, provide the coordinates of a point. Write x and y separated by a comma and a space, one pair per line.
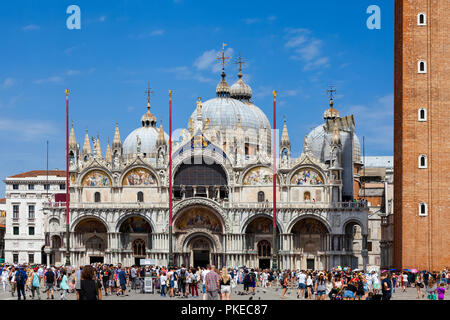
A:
225, 204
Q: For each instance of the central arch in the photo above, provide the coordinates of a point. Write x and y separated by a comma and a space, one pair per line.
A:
200, 248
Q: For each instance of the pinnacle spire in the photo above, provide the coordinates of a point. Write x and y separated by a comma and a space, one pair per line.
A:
72, 138
161, 139
98, 150
108, 155
87, 144
116, 140
285, 142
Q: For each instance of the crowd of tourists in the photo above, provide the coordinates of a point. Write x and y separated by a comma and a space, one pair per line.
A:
92, 282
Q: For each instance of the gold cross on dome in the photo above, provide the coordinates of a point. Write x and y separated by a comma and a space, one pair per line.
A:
240, 62
331, 90
148, 92
222, 57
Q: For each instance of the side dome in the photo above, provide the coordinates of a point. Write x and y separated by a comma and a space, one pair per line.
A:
319, 143
144, 138
148, 137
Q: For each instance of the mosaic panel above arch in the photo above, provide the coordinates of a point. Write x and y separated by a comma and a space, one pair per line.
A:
198, 218
139, 177
307, 176
258, 176
96, 178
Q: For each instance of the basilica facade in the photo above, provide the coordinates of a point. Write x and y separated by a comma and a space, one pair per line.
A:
222, 176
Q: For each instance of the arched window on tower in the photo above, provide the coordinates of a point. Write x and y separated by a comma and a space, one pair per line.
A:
423, 163
422, 66
261, 196
421, 19
422, 114
140, 196
97, 197
423, 209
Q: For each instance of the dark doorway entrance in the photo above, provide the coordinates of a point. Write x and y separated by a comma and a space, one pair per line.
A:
96, 259
137, 261
310, 264
264, 263
201, 258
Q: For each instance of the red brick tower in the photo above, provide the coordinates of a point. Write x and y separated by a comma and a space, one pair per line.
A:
422, 134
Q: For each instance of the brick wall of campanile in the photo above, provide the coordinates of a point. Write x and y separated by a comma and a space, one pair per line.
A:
422, 242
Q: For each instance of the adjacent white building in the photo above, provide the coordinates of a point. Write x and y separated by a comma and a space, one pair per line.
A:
25, 227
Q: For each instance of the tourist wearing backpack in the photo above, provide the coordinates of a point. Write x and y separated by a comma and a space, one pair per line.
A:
182, 281
21, 278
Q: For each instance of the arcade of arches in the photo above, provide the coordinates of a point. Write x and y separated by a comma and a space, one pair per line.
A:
200, 239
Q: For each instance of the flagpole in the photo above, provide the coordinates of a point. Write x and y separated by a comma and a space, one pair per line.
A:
274, 151
170, 264
67, 181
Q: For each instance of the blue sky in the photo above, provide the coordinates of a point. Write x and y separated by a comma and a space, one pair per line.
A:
294, 47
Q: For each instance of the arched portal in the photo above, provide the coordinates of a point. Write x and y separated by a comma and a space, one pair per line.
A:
91, 234
200, 178
354, 242
199, 222
135, 234
310, 239
259, 238
200, 248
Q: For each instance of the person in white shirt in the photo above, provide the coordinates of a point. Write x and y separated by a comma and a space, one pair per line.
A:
301, 284
5, 278
162, 282
264, 276
204, 273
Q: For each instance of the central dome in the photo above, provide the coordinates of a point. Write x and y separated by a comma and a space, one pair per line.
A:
226, 113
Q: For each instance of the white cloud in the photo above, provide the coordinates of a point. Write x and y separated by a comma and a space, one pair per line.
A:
154, 33
8, 83
72, 72
34, 130
208, 60
53, 79
251, 20
102, 19
306, 48
30, 27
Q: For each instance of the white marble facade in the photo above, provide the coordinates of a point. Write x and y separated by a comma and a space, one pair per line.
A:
222, 193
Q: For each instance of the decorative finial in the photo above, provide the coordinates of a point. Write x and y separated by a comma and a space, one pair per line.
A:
274, 94
170, 93
223, 58
67, 92
331, 91
240, 62
148, 92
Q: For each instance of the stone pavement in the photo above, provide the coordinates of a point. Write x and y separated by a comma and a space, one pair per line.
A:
261, 294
